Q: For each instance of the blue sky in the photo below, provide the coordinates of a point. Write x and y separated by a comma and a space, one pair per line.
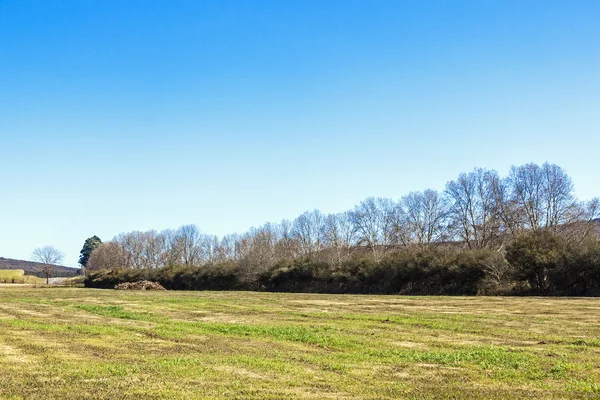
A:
135, 115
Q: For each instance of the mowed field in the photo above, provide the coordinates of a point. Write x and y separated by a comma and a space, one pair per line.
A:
17, 276
73, 343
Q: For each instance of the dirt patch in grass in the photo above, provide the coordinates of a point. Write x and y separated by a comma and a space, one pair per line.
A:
12, 354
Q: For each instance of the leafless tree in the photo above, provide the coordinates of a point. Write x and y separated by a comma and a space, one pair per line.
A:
108, 255
507, 209
543, 194
592, 217
48, 256
306, 229
257, 248
154, 248
207, 248
377, 222
497, 270
339, 236
592, 210
287, 247
473, 208
226, 250
185, 244
134, 248
584, 223
425, 217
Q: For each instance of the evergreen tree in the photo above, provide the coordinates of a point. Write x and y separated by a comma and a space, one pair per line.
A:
89, 246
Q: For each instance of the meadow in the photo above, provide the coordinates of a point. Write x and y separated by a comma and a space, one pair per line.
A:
74, 343
18, 276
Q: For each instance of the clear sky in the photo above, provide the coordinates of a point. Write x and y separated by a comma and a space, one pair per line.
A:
133, 115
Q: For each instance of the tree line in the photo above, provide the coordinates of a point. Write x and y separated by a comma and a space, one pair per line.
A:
475, 220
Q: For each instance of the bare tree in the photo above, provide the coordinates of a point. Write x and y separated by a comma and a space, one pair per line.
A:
339, 236
108, 255
559, 200
543, 194
172, 255
425, 217
257, 248
592, 210
226, 250
497, 270
287, 247
185, 243
48, 256
154, 248
209, 248
508, 212
377, 222
132, 249
585, 222
306, 229
143, 249
473, 208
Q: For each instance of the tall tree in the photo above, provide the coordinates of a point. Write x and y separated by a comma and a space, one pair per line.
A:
259, 247
49, 256
186, 243
425, 217
89, 246
544, 194
473, 208
377, 222
306, 229
339, 236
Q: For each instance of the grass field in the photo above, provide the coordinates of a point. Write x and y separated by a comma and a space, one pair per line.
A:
65, 343
17, 276
11, 273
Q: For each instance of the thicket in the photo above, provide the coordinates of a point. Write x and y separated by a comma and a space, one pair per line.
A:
548, 264
534, 264
432, 271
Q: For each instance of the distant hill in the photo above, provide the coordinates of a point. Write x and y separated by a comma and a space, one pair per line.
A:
33, 268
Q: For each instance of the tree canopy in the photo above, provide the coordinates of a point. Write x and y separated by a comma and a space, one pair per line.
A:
88, 247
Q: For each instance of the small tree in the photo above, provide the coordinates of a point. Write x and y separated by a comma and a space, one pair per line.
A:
49, 256
88, 247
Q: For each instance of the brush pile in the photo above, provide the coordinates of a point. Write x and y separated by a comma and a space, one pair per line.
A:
139, 285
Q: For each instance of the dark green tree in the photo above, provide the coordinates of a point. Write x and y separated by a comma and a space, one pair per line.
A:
89, 246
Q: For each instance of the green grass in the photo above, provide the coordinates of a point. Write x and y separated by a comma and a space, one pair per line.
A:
69, 343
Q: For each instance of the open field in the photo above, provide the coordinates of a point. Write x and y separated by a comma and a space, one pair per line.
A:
18, 276
11, 273
64, 343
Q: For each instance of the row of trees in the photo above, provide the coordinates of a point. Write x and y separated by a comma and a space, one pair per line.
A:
540, 263
478, 210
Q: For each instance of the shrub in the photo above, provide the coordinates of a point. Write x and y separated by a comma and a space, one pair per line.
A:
535, 256
431, 271
578, 272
